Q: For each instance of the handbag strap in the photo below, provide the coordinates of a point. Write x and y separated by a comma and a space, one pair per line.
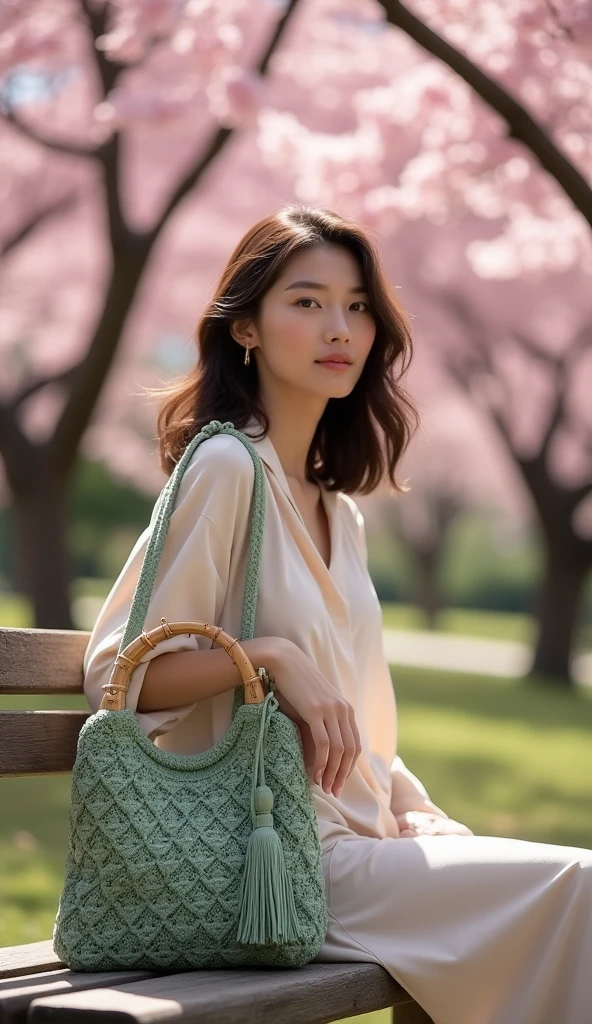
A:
163, 510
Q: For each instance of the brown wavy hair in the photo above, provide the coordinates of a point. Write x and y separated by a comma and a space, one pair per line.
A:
359, 438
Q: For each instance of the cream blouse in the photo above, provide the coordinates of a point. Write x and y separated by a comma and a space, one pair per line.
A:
332, 613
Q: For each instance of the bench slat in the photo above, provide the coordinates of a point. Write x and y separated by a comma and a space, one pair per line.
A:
39, 742
28, 959
16, 994
313, 994
26, 654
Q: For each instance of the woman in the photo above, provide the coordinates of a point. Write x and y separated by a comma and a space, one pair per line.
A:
302, 339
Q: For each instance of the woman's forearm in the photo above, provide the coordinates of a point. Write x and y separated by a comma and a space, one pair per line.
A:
182, 677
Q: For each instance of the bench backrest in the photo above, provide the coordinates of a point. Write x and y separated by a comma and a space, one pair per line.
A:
40, 661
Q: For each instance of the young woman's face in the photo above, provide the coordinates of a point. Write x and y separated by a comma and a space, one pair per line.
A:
317, 307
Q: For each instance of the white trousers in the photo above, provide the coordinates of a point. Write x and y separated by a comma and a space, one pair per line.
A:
478, 929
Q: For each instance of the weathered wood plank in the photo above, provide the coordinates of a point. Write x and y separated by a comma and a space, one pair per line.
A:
28, 959
39, 742
42, 660
16, 994
314, 994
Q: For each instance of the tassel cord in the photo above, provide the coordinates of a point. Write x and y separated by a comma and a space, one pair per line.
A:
270, 704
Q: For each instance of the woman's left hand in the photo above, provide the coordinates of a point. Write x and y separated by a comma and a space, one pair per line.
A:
422, 823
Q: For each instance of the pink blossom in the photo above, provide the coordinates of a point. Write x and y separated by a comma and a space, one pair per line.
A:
234, 96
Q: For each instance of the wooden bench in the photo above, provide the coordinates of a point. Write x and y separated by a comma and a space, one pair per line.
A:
35, 986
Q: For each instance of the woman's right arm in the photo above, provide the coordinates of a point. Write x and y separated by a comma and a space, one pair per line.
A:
330, 737
183, 676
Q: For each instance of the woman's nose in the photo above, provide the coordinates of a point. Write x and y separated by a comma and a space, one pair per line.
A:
337, 329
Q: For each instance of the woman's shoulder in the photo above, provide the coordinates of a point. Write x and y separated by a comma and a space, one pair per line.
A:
221, 458
219, 476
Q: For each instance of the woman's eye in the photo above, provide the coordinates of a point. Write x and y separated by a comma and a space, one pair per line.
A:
359, 303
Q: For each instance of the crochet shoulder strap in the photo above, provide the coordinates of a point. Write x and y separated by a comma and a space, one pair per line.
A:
163, 509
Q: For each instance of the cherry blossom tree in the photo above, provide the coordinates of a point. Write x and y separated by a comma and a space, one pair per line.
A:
97, 68
495, 372
423, 524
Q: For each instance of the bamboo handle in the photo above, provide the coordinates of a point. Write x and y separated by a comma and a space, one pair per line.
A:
116, 689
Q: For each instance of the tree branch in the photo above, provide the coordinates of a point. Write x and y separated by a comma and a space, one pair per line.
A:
107, 70
55, 145
222, 135
463, 379
561, 367
558, 406
522, 126
27, 229
481, 356
547, 495
43, 382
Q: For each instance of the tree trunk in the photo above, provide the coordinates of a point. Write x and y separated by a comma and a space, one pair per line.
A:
427, 588
558, 604
41, 559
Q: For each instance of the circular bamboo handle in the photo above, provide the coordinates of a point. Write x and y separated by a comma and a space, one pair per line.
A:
115, 690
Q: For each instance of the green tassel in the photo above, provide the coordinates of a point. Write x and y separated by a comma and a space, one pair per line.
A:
268, 913
267, 909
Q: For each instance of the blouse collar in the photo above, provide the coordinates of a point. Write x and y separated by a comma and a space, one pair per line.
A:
332, 576
270, 457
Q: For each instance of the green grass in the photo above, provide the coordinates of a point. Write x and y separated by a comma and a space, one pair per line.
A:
507, 758
14, 611
490, 625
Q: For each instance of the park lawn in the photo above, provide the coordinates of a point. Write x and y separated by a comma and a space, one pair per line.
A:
490, 625
504, 756
15, 609
475, 622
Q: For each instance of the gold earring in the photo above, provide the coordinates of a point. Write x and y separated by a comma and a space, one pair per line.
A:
247, 357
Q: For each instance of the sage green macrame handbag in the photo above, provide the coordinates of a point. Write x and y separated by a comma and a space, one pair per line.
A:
191, 861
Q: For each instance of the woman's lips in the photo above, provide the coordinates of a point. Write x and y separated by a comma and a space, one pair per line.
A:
331, 365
